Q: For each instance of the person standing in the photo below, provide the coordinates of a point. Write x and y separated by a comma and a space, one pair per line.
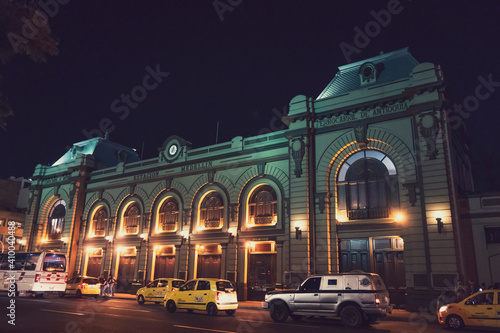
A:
460, 290
111, 285
103, 283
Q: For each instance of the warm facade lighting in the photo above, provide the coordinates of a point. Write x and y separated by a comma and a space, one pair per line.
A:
399, 217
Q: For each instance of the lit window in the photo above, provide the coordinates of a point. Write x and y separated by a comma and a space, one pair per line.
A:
131, 219
168, 215
263, 207
367, 186
212, 211
56, 220
99, 222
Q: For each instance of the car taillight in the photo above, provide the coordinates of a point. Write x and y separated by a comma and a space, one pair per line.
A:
37, 277
173, 289
66, 279
83, 285
377, 299
218, 296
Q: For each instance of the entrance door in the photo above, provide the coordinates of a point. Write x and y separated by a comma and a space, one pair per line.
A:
390, 266
354, 255
164, 267
261, 275
209, 266
126, 270
94, 266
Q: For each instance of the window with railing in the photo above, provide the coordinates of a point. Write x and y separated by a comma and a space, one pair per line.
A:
56, 220
168, 215
132, 219
263, 207
99, 222
367, 186
212, 211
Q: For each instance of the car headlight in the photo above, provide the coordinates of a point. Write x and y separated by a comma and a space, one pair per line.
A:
445, 307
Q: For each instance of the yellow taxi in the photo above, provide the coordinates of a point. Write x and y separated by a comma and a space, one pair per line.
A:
204, 294
155, 291
82, 286
480, 309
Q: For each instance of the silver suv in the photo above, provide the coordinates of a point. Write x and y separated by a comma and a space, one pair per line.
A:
354, 297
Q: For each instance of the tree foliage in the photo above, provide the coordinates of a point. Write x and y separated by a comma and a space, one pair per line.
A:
24, 29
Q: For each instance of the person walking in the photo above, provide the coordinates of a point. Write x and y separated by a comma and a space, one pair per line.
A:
460, 290
111, 285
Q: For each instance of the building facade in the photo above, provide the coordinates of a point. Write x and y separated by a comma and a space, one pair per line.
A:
367, 177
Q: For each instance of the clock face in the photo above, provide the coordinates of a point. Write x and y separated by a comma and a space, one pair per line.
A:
173, 150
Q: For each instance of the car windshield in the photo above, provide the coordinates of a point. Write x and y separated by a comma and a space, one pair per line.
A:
177, 284
224, 286
91, 281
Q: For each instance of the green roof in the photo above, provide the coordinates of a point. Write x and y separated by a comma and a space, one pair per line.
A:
391, 67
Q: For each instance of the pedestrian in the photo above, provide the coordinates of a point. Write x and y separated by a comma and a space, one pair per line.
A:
104, 284
461, 291
111, 285
473, 287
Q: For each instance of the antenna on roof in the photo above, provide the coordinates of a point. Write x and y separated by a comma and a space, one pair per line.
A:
217, 133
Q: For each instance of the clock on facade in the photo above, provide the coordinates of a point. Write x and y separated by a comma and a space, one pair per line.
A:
172, 150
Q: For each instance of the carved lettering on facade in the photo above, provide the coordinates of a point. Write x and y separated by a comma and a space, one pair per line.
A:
147, 175
197, 166
359, 115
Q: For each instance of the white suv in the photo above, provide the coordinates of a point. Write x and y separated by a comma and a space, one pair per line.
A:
355, 297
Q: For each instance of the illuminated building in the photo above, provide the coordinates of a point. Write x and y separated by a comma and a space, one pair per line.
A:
367, 176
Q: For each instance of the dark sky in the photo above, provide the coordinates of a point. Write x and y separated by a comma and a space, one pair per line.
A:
235, 70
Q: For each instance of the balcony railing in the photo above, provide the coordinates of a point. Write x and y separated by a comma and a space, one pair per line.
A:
168, 227
213, 223
372, 213
99, 232
131, 229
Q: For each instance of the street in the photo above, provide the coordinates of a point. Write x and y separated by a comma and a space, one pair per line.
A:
79, 315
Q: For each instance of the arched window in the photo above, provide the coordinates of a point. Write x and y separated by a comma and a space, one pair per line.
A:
132, 219
212, 211
168, 215
56, 220
99, 222
367, 186
263, 207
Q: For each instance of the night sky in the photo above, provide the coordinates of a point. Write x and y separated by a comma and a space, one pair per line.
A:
234, 66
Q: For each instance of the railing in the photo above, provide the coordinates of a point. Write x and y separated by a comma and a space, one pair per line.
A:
168, 227
131, 229
213, 223
264, 219
372, 213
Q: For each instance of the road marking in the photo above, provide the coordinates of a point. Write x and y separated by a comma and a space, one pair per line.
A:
281, 324
72, 313
203, 329
121, 308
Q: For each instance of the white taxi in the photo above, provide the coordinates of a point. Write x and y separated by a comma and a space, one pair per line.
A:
155, 291
204, 294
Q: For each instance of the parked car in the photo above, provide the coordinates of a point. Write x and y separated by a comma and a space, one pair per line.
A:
354, 297
155, 290
82, 286
480, 309
209, 295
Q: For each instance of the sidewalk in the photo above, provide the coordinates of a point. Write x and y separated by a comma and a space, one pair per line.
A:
396, 315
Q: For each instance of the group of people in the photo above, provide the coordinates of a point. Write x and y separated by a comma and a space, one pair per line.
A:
462, 291
107, 285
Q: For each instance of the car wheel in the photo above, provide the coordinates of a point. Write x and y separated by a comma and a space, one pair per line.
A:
455, 322
296, 317
62, 293
351, 316
279, 311
78, 294
212, 309
171, 307
140, 299
230, 312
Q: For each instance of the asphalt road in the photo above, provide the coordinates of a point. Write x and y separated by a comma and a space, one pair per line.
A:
74, 315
